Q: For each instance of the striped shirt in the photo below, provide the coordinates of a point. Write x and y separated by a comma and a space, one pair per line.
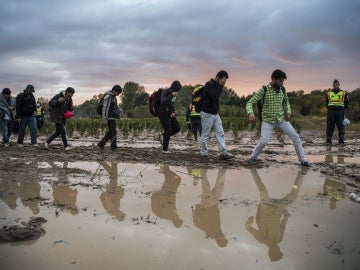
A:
275, 106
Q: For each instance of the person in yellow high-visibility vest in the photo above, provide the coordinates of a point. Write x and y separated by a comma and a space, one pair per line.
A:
193, 119
337, 102
40, 113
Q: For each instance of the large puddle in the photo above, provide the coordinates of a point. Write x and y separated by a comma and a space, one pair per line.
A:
138, 216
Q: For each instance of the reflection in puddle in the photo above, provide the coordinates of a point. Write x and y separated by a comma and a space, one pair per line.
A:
272, 215
206, 214
151, 216
163, 201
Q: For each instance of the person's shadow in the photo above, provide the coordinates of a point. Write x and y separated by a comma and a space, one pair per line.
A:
334, 190
330, 158
206, 214
111, 197
272, 215
28, 190
64, 196
163, 201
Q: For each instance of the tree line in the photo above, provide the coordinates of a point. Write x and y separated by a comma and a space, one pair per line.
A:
134, 103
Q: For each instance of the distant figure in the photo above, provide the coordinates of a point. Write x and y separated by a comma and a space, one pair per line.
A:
336, 102
61, 107
25, 114
167, 115
40, 113
110, 113
7, 114
193, 118
276, 113
210, 118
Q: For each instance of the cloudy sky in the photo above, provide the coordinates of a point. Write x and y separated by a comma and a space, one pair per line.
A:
92, 45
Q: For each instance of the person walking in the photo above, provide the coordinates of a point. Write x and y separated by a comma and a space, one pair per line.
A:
61, 107
276, 113
193, 120
25, 114
110, 112
40, 115
7, 114
209, 114
167, 115
337, 102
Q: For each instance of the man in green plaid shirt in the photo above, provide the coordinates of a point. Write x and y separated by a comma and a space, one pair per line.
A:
276, 113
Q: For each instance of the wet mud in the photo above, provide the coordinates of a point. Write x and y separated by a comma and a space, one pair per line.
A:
136, 208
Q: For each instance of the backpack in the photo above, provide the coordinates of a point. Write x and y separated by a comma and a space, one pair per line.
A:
100, 105
260, 103
197, 97
154, 102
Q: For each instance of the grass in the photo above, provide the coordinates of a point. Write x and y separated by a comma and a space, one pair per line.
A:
126, 126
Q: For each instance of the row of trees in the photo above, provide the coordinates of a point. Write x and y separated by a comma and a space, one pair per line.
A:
134, 103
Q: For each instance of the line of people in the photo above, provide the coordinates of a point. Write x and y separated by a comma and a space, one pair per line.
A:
276, 113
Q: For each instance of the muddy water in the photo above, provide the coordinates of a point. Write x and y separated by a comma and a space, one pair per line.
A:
139, 216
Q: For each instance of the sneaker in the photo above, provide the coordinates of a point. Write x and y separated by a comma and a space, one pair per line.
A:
35, 145
6, 144
252, 161
20, 145
100, 145
165, 152
328, 143
226, 156
306, 164
46, 145
113, 148
341, 143
161, 139
67, 148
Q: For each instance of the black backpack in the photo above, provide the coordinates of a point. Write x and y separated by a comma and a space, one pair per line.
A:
197, 97
260, 103
100, 105
154, 102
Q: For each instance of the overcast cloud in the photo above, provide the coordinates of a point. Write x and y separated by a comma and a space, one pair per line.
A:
92, 45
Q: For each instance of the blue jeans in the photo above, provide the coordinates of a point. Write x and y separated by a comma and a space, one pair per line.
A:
60, 130
287, 128
6, 127
211, 122
31, 122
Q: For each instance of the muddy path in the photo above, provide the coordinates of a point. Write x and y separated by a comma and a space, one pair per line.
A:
341, 163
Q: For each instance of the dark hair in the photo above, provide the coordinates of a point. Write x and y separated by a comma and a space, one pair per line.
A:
117, 88
278, 74
222, 74
70, 90
176, 86
6, 91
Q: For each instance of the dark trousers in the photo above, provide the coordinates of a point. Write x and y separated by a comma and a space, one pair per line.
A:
39, 121
171, 127
196, 126
335, 117
110, 135
60, 130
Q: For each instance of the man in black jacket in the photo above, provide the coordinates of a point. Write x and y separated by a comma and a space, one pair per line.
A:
167, 115
210, 118
60, 107
25, 114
